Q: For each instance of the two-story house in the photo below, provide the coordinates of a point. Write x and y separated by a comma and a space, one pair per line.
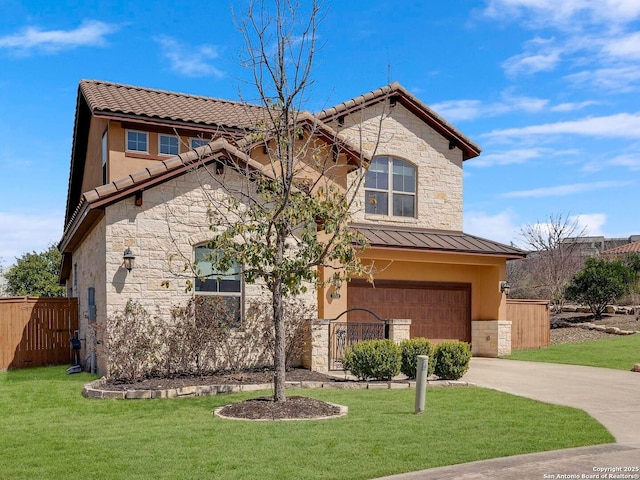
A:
134, 190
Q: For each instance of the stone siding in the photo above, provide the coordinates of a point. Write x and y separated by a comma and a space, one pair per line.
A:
88, 271
491, 338
439, 170
162, 234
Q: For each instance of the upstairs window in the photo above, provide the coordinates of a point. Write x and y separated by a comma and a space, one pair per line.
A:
168, 145
218, 293
197, 142
390, 186
137, 141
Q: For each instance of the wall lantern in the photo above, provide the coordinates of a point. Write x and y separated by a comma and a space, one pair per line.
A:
128, 258
505, 288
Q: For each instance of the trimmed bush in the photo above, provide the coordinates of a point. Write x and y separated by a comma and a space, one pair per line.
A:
452, 359
377, 359
410, 349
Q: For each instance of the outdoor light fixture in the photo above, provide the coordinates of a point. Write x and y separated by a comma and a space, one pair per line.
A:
128, 258
505, 288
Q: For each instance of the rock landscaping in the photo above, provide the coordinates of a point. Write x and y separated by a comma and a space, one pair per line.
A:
576, 324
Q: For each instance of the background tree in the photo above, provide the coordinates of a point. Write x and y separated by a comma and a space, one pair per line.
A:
36, 274
290, 216
599, 284
554, 258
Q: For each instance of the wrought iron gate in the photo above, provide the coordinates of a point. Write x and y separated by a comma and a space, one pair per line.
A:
344, 334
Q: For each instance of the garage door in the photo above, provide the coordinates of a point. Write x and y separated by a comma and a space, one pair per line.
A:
438, 311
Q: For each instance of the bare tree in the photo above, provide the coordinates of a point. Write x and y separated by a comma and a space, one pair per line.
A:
291, 186
555, 255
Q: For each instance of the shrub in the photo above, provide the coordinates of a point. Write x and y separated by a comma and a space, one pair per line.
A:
600, 283
410, 349
131, 343
452, 359
377, 359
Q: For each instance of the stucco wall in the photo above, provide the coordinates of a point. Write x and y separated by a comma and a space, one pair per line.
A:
401, 134
484, 273
93, 165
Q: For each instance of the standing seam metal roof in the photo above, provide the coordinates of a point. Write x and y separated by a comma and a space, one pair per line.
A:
434, 240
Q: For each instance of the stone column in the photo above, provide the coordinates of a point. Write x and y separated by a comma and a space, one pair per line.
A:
490, 338
399, 329
317, 355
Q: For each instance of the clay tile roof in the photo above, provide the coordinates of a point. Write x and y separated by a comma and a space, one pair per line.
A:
633, 247
434, 241
412, 103
125, 100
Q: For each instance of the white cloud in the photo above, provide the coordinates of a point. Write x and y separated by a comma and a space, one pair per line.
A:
499, 227
457, 110
90, 33
190, 61
629, 161
23, 233
521, 156
564, 190
573, 106
627, 46
532, 62
612, 79
589, 223
461, 110
621, 125
508, 157
566, 14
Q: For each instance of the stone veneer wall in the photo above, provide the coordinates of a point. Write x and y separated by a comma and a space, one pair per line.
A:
162, 234
491, 338
439, 170
88, 271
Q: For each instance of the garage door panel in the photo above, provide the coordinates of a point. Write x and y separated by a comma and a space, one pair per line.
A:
437, 311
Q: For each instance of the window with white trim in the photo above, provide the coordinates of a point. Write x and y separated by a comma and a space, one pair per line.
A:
197, 142
168, 145
390, 186
218, 293
137, 141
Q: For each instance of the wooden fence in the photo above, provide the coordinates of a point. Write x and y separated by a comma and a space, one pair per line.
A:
530, 327
36, 331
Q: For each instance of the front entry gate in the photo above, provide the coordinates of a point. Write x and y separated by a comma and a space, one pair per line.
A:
345, 334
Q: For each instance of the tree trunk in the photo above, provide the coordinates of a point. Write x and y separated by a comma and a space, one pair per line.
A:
279, 351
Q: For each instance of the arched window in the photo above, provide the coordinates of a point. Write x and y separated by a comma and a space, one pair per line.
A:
390, 187
218, 294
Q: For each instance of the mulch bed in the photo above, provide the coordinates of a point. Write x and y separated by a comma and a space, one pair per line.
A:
250, 377
261, 408
295, 407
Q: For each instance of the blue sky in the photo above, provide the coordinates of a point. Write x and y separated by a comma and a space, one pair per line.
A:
548, 89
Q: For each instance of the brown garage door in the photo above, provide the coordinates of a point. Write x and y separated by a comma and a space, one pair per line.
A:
438, 311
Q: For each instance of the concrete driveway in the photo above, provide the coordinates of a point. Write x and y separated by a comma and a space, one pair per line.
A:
611, 396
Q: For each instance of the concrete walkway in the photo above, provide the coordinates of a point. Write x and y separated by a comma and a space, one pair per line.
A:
611, 396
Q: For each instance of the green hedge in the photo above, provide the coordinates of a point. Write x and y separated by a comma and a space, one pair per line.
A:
410, 349
376, 359
452, 359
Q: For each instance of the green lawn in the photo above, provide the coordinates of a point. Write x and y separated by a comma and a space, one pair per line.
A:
620, 352
48, 430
